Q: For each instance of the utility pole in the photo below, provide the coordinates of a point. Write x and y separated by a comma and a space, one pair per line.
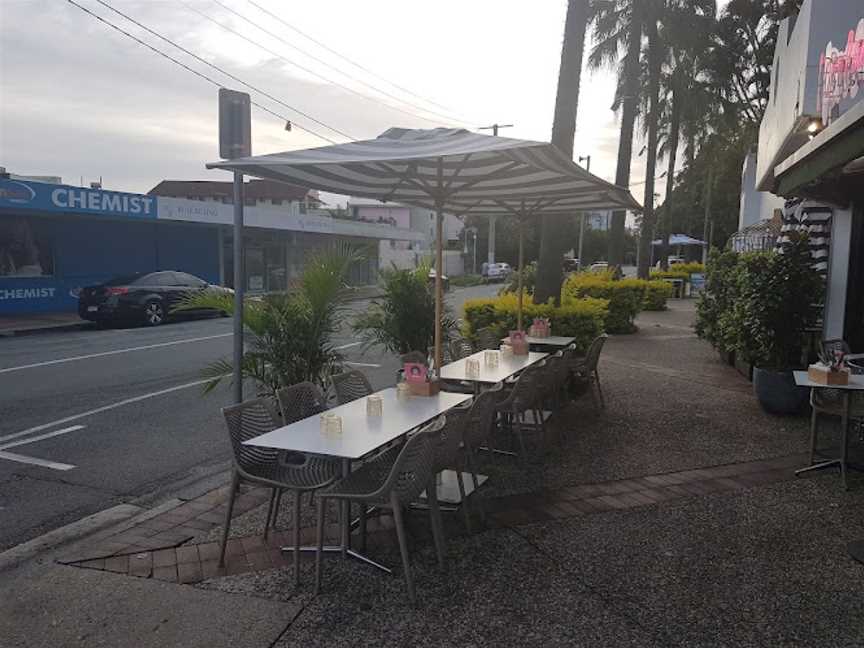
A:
491, 257
587, 159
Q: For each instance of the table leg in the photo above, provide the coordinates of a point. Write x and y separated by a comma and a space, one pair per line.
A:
844, 437
345, 513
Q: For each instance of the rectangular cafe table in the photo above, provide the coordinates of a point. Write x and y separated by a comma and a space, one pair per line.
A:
556, 341
361, 436
507, 366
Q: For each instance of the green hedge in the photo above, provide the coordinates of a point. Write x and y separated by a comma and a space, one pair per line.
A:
625, 296
656, 294
581, 318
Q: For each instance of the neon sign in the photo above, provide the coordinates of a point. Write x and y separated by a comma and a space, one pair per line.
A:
841, 74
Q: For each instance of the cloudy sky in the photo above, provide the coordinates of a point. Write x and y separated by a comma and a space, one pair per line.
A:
80, 100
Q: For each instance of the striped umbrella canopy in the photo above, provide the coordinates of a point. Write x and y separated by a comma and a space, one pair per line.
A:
448, 170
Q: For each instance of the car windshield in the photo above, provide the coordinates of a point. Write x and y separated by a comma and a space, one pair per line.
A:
124, 280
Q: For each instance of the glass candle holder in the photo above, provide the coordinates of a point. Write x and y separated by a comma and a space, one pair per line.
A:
331, 424
506, 351
403, 391
472, 367
374, 406
491, 358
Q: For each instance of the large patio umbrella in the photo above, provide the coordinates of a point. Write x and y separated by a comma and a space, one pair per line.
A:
448, 170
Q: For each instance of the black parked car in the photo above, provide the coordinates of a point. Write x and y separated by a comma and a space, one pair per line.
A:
146, 298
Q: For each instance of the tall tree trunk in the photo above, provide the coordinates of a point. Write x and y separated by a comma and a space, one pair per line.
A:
654, 63
625, 140
665, 224
549, 271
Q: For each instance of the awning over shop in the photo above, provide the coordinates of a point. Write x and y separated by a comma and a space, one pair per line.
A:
680, 239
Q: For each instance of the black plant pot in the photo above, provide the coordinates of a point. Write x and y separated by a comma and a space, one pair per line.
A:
778, 393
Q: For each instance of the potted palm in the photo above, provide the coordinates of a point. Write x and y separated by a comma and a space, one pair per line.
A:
777, 301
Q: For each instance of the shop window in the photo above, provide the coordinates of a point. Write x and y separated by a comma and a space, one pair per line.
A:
25, 248
302, 207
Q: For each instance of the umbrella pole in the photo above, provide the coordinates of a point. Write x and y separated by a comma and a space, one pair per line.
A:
519, 278
439, 292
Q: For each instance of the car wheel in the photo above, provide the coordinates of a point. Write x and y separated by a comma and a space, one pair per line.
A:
154, 314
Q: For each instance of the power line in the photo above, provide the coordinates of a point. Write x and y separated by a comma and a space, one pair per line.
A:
187, 68
222, 71
292, 63
337, 70
357, 65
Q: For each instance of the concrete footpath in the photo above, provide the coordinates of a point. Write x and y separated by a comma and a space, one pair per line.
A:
670, 518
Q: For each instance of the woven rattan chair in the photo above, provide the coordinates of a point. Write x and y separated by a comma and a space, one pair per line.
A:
262, 466
350, 386
447, 442
487, 338
523, 397
391, 484
586, 368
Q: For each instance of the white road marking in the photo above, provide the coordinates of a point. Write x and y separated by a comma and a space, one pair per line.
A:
47, 435
114, 352
11, 456
98, 410
348, 346
363, 364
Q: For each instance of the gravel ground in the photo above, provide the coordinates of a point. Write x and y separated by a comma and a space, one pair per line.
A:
765, 566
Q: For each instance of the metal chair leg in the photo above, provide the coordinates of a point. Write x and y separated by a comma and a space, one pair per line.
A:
319, 524
297, 499
403, 547
276, 508
435, 519
235, 484
599, 389
517, 429
463, 499
270, 508
814, 426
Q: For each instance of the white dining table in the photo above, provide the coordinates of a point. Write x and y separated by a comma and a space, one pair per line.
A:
507, 366
558, 341
362, 434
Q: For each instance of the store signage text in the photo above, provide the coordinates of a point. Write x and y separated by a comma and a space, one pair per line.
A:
26, 293
115, 203
21, 194
841, 74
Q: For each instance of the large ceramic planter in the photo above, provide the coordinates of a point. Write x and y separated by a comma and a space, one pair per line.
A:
778, 393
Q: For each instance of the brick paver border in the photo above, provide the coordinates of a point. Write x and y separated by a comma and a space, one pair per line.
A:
155, 548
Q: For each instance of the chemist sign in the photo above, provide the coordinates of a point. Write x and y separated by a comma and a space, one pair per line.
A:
41, 196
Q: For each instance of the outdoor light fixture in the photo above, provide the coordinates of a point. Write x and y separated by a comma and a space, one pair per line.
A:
814, 127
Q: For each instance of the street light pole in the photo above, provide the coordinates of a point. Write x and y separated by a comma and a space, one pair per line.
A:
491, 256
587, 159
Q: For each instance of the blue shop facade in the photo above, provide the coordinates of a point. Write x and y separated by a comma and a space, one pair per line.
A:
56, 239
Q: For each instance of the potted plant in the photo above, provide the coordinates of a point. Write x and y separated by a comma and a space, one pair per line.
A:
777, 301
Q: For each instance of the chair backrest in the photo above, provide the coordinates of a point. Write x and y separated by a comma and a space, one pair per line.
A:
478, 425
525, 390
592, 357
246, 421
414, 356
553, 372
350, 386
460, 348
414, 466
300, 401
830, 346
487, 338
447, 438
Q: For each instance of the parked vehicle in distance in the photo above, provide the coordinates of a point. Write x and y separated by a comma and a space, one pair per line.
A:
496, 271
445, 280
673, 260
146, 298
599, 266
570, 265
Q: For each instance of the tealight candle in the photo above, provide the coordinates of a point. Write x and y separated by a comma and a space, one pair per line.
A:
374, 406
403, 391
491, 358
472, 367
331, 424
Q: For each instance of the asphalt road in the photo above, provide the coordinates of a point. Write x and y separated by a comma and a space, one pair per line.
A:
93, 418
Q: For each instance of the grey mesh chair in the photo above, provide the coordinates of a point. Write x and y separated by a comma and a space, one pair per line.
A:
350, 386
523, 397
460, 348
262, 466
447, 442
394, 485
586, 368
487, 338
476, 431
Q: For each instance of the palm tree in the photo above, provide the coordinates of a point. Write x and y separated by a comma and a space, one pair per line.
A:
618, 27
549, 271
685, 30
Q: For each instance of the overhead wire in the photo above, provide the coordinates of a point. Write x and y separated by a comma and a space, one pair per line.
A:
338, 71
357, 65
294, 64
215, 67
